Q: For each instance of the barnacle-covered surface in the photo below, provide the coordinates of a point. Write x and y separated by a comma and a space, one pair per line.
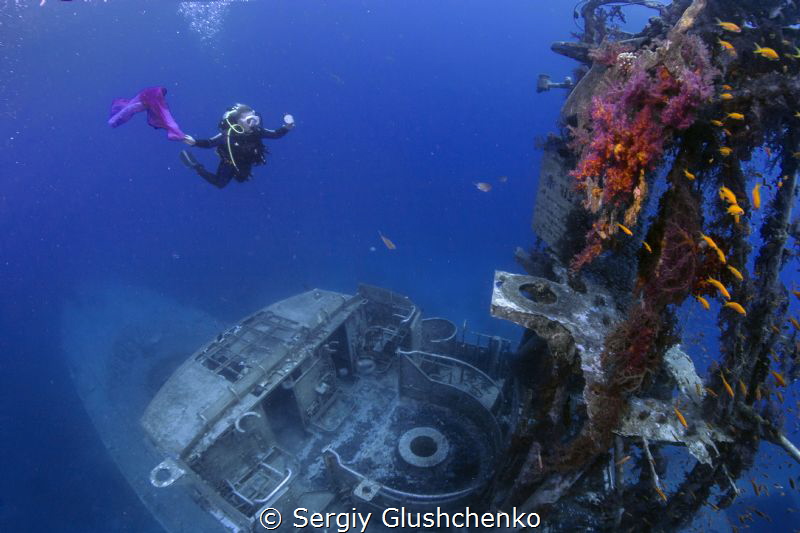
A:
683, 144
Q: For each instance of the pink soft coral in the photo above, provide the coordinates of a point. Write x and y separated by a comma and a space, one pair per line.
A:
629, 125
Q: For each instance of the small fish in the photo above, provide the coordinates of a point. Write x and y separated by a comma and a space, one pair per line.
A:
766, 53
727, 132
768, 151
796, 293
688, 175
502, 179
791, 483
778, 377
623, 460
797, 114
647, 247
796, 54
755, 487
727, 87
727, 385
720, 287
713, 245
680, 416
661, 493
711, 392
795, 323
743, 388
726, 96
716, 122
729, 26
727, 47
736, 307
708, 240
703, 302
483, 186
387, 241
735, 116
779, 395
625, 230
758, 393
735, 210
736, 273
725, 151
756, 196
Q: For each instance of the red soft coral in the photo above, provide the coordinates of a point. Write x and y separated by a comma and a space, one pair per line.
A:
629, 125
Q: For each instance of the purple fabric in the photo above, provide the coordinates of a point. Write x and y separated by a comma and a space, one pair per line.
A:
151, 100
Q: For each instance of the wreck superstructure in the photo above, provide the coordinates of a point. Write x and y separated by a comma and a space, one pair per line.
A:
669, 139
326, 401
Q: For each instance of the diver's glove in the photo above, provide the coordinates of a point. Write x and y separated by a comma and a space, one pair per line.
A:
288, 121
188, 139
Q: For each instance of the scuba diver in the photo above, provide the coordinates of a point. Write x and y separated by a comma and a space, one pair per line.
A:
238, 145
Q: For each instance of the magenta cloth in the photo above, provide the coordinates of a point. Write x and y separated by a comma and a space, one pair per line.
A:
151, 100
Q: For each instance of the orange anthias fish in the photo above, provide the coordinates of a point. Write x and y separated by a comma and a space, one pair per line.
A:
715, 122
729, 26
735, 210
778, 377
483, 186
688, 175
624, 229
727, 87
736, 307
647, 247
703, 302
766, 53
795, 323
388, 242
728, 388
725, 151
728, 47
742, 388
726, 96
756, 196
720, 287
735, 116
680, 416
710, 242
736, 273
623, 460
726, 195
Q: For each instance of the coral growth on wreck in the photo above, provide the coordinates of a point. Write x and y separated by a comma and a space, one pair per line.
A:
661, 112
629, 126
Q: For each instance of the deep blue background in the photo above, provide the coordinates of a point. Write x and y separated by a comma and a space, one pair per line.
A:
400, 108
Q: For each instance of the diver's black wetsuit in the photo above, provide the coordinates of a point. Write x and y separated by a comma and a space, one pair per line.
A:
247, 149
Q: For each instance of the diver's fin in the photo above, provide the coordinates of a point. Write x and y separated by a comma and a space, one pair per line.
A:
189, 160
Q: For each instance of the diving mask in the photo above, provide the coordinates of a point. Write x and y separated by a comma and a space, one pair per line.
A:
252, 121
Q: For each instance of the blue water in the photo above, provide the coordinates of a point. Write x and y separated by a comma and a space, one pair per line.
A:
400, 107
